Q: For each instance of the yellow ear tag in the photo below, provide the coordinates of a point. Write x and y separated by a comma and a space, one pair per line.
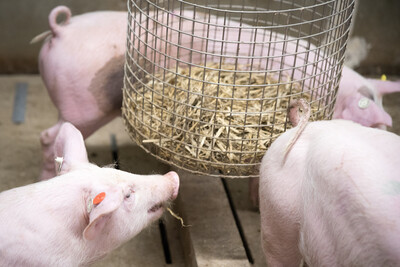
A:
383, 77
99, 198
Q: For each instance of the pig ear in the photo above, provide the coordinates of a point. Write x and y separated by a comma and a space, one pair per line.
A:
69, 148
100, 215
385, 87
367, 92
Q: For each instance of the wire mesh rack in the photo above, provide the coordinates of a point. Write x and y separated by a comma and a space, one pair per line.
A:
207, 83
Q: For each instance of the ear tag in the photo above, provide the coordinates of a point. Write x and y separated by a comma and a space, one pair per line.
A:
383, 77
363, 103
99, 198
59, 161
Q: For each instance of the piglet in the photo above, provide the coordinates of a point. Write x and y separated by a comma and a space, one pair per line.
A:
81, 215
81, 64
329, 195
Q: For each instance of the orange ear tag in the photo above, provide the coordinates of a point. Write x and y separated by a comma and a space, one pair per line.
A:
99, 198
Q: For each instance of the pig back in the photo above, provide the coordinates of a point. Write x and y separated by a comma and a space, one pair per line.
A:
350, 196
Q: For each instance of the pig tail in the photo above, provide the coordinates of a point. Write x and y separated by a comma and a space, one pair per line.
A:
53, 18
299, 121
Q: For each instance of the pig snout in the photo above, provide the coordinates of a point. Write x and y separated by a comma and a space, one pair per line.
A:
174, 178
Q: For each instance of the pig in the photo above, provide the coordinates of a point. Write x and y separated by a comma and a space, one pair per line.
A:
331, 198
79, 216
81, 64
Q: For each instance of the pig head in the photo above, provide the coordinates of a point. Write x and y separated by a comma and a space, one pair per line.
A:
81, 215
334, 201
360, 99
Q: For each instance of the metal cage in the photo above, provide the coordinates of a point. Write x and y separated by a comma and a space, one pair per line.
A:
207, 83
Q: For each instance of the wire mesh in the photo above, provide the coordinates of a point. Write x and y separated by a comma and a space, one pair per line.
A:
207, 83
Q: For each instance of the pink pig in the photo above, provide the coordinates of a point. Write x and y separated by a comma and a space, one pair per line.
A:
64, 222
81, 64
333, 197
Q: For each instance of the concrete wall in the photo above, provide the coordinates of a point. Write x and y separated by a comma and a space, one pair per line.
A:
374, 46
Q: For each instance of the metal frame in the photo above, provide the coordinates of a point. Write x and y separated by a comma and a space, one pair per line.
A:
296, 42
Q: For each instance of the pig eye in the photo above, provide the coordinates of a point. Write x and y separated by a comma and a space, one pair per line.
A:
128, 195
